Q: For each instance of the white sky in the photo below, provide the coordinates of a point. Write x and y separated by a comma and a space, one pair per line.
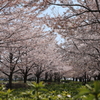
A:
55, 11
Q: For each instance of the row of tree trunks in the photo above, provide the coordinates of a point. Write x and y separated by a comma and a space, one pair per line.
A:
86, 79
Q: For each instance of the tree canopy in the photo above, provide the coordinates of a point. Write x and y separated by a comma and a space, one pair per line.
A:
28, 42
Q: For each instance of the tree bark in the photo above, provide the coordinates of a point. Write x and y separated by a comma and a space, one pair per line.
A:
10, 82
38, 79
25, 78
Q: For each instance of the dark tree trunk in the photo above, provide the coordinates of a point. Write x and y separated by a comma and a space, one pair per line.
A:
58, 79
11, 70
98, 77
73, 79
80, 79
37, 79
55, 77
85, 78
25, 78
76, 79
46, 76
64, 78
10, 82
94, 78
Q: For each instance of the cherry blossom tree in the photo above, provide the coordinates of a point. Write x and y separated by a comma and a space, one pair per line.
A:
25, 66
79, 26
9, 61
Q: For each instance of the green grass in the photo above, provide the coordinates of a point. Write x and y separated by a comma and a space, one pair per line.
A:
48, 91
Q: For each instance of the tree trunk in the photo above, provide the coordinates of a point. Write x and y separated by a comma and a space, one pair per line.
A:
64, 78
58, 79
98, 77
85, 78
76, 79
55, 77
46, 76
25, 78
80, 79
73, 79
37, 79
10, 82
